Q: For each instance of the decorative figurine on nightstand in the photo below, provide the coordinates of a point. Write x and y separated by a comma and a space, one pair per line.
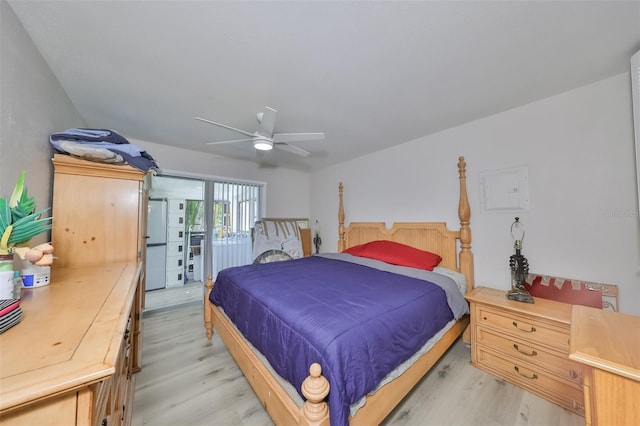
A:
519, 266
316, 238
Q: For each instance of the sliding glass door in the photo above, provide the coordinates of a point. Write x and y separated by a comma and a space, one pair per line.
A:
235, 209
211, 228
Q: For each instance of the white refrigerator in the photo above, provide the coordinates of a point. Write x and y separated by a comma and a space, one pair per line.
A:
156, 244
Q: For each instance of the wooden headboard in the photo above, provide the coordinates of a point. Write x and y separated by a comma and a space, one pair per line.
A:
431, 236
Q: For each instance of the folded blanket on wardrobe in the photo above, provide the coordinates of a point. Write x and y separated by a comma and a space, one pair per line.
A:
96, 144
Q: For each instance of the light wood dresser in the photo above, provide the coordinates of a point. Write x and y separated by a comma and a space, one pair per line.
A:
526, 344
608, 344
69, 361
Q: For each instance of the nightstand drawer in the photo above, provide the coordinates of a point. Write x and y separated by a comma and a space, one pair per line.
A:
533, 378
521, 327
519, 350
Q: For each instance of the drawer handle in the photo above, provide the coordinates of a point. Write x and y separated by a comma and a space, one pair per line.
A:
531, 330
532, 377
532, 353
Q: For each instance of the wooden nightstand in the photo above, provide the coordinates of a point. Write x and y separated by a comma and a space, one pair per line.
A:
526, 344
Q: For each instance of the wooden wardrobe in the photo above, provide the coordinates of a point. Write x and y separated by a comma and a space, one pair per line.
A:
100, 218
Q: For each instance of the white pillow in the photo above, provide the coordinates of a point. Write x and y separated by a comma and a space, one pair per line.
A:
459, 278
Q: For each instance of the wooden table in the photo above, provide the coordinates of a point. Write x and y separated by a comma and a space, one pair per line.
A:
69, 360
609, 344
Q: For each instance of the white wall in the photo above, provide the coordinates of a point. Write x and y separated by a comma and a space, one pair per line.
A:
287, 189
583, 221
32, 105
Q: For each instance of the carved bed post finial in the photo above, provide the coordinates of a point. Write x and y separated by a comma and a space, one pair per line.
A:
315, 388
464, 213
341, 241
208, 322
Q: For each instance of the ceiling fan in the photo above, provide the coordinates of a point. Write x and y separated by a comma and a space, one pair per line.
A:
264, 139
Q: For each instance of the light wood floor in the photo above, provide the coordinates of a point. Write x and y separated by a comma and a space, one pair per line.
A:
187, 380
171, 296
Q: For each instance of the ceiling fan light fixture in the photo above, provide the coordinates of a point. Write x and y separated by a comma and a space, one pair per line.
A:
262, 144
264, 139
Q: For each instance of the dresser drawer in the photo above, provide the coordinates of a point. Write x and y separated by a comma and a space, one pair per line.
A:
522, 327
533, 378
175, 248
174, 263
175, 277
176, 234
519, 350
175, 206
175, 220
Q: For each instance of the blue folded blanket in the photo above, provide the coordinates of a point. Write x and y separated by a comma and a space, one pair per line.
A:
106, 140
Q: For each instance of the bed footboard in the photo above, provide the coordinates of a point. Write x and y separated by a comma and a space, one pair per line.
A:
315, 388
282, 409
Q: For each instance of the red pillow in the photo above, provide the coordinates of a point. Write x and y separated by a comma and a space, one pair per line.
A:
356, 250
396, 254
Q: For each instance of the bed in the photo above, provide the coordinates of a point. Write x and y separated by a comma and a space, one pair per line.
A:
283, 405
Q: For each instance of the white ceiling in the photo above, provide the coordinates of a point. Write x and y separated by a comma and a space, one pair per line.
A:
369, 74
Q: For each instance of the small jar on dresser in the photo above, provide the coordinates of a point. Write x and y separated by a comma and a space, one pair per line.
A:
526, 344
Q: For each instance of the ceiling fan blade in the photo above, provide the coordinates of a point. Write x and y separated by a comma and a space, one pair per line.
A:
225, 126
297, 137
291, 148
237, 140
267, 122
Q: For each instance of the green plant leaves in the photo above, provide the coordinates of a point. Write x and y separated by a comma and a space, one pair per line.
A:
5, 215
17, 190
19, 213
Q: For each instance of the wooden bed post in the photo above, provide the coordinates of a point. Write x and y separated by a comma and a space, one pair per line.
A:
341, 242
315, 388
208, 322
464, 212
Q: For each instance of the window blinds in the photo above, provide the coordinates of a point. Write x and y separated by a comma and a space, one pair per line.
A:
236, 207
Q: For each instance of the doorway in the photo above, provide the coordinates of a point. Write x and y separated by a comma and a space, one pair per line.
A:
185, 213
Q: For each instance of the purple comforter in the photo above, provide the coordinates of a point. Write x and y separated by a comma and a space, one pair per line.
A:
357, 322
